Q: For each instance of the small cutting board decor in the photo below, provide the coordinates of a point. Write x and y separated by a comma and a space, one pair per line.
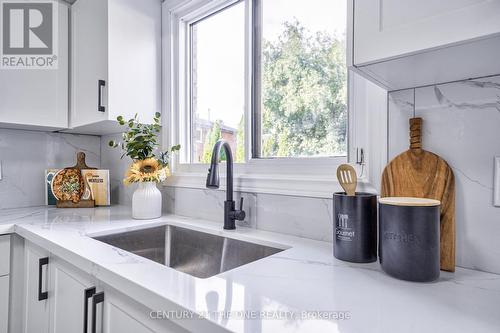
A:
69, 186
96, 186
422, 174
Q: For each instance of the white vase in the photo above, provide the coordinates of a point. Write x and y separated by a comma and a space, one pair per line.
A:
146, 201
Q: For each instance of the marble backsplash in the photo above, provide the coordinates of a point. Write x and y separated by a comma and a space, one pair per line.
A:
111, 159
461, 123
24, 156
298, 216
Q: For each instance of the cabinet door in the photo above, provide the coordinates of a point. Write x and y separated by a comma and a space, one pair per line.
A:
124, 315
36, 303
38, 98
134, 48
67, 298
89, 44
4, 255
4, 303
391, 28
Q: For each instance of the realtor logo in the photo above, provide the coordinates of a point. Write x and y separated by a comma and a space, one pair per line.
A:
29, 34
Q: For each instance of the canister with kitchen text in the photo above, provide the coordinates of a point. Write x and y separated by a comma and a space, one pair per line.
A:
409, 238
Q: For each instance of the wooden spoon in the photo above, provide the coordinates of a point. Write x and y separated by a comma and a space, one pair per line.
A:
348, 178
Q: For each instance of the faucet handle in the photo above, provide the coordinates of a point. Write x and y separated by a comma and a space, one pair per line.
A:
240, 213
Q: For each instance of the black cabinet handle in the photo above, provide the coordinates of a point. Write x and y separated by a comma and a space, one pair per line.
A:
96, 299
88, 293
100, 85
42, 295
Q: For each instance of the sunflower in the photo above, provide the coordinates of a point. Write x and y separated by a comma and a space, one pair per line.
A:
143, 171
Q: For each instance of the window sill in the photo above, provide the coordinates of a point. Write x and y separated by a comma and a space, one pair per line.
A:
290, 185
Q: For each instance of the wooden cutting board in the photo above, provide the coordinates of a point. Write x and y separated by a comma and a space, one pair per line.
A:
78, 202
422, 174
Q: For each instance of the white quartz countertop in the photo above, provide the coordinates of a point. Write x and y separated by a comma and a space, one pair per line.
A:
301, 289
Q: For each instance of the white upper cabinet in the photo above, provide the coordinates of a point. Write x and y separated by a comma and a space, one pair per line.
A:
34, 66
116, 63
407, 43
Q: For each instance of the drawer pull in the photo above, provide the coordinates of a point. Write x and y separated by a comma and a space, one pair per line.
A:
88, 293
42, 295
96, 299
100, 85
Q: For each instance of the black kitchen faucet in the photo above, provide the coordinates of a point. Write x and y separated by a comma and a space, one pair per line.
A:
230, 213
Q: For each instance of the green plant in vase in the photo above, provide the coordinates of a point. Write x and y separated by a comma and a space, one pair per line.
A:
140, 143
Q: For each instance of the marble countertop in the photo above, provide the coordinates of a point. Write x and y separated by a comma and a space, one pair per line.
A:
301, 289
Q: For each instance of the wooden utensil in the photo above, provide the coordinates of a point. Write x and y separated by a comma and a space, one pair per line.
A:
348, 178
422, 174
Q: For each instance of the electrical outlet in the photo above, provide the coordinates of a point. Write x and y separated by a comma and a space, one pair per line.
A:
496, 186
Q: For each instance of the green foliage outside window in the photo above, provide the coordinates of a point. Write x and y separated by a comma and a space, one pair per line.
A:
304, 110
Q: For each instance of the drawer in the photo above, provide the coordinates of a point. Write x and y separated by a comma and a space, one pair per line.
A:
4, 303
4, 255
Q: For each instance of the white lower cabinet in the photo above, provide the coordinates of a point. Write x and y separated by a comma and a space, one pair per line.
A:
4, 255
70, 294
124, 315
60, 298
36, 301
54, 294
4, 303
4, 282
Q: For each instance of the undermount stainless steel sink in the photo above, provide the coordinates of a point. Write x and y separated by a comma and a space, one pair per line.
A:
193, 252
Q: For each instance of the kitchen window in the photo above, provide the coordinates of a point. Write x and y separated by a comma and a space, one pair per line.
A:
217, 82
300, 78
270, 77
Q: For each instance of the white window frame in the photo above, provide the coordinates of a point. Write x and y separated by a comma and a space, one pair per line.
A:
311, 177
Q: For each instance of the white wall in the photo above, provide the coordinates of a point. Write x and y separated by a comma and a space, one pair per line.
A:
462, 125
25, 155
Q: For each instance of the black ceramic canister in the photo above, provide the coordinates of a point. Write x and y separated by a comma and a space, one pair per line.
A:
355, 232
409, 238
